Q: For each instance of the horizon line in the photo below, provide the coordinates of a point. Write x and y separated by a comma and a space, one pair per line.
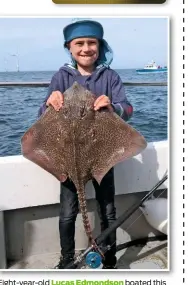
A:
56, 70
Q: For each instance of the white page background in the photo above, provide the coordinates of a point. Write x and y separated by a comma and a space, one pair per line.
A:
174, 10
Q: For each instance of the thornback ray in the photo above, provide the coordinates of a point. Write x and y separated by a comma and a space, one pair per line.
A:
80, 143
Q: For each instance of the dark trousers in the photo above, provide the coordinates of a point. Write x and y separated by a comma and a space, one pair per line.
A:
105, 194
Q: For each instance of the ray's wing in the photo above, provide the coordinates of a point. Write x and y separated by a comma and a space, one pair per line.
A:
46, 143
115, 141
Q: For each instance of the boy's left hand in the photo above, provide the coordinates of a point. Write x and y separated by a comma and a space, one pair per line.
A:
102, 101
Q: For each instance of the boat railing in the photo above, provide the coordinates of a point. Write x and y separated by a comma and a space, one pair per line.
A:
46, 84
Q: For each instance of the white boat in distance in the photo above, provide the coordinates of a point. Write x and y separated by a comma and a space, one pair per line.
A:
151, 67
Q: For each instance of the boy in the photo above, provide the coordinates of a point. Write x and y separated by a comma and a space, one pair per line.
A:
91, 57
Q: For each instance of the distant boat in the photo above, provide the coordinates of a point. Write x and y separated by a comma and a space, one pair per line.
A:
151, 67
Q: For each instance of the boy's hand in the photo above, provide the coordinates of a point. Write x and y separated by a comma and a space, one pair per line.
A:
56, 100
102, 101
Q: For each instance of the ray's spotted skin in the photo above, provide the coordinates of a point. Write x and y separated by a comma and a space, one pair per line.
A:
80, 143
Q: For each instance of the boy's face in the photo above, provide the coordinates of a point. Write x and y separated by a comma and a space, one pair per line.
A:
85, 51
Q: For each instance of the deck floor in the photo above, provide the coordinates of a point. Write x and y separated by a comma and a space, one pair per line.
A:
152, 256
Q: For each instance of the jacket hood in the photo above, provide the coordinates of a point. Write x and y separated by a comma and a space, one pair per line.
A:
73, 71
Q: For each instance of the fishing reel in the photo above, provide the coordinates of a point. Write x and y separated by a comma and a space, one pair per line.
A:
95, 256
93, 259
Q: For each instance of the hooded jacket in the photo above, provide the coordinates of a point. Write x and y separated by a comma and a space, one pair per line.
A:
103, 81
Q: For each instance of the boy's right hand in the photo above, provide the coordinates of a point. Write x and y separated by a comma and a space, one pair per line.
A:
56, 100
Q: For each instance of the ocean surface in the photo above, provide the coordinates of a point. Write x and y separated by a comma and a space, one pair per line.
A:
19, 106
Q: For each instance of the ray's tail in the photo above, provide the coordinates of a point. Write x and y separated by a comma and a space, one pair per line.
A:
85, 218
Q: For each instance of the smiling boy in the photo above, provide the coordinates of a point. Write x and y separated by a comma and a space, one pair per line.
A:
91, 57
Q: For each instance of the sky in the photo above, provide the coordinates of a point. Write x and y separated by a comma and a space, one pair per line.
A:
38, 42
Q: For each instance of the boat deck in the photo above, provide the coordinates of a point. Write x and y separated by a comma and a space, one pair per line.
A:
29, 231
152, 256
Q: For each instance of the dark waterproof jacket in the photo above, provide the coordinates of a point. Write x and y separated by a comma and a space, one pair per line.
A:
103, 81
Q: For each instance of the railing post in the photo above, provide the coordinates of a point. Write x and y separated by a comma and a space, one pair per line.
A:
3, 263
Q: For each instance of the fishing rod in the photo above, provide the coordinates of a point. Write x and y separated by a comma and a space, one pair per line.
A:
93, 257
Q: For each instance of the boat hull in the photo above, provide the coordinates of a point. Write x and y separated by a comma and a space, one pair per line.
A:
151, 70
